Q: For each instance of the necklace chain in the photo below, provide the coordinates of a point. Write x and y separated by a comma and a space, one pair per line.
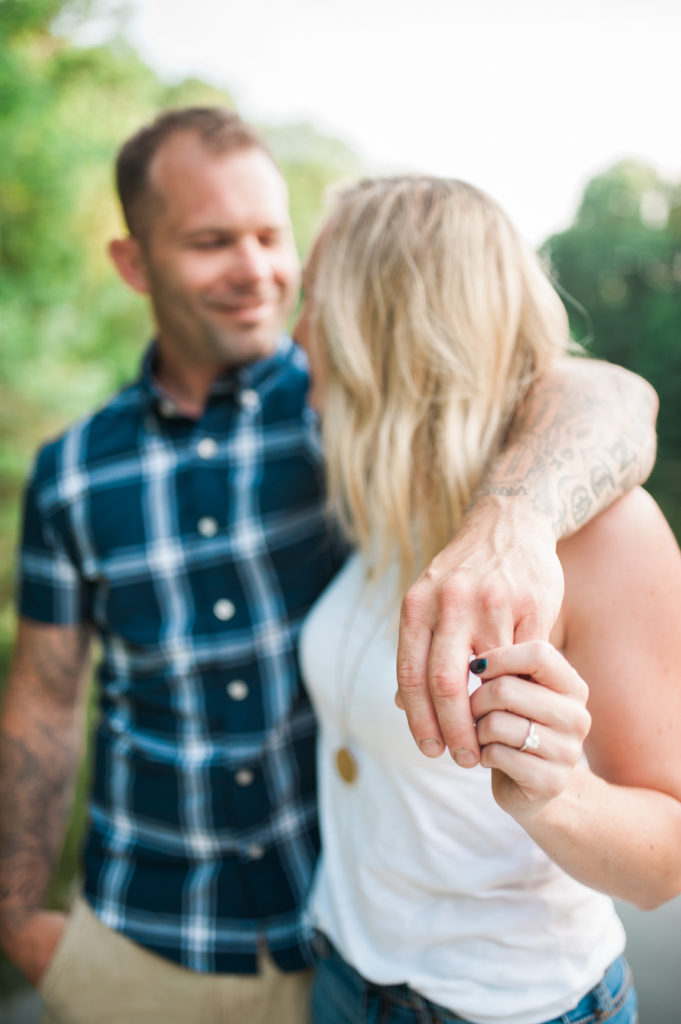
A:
346, 761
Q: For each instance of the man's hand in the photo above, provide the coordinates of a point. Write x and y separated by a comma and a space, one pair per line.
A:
498, 582
32, 946
584, 435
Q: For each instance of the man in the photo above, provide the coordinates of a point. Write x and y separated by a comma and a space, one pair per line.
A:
183, 525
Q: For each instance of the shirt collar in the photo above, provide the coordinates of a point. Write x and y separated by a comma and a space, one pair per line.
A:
253, 376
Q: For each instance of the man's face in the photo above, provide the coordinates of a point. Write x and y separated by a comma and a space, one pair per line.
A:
219, 256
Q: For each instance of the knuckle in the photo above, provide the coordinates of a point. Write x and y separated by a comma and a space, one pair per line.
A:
541, 652
442, 684
502, 690
582, 690
574, 752
554, 783
453, 591
409, 677
414, 602
577, 721
585, 723
529, 623
494, 601
528, 606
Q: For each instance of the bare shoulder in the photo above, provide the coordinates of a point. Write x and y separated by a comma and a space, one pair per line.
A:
621, 632
630, 544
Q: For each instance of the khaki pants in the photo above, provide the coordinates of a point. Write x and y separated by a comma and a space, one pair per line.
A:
99, 977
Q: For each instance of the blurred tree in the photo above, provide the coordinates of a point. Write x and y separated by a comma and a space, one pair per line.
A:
620, 264
311, 162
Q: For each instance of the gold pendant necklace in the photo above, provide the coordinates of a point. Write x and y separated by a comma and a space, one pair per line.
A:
346, 765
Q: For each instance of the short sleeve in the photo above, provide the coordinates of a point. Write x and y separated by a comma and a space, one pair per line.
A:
49, 586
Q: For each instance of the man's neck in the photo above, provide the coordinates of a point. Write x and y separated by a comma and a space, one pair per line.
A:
187, 384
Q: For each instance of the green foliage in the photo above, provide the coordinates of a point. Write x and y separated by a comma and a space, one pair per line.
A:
621, 262
311, 163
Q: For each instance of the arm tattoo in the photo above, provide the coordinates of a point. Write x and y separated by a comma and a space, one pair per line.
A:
583, 437
40, 744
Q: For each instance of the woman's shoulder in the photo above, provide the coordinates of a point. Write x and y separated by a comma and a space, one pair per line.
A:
624, 562
625, 534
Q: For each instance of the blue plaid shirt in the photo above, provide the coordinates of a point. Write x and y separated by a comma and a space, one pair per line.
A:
194, 548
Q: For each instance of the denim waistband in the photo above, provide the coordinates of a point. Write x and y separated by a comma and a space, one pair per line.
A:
612, 999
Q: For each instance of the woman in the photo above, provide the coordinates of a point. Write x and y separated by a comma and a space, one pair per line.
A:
443, 893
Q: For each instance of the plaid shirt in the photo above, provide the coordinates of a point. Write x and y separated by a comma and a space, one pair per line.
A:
194, 548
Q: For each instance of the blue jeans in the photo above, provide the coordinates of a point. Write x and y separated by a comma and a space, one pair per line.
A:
342, 996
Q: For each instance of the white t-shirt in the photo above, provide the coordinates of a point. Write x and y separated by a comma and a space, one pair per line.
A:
423, 878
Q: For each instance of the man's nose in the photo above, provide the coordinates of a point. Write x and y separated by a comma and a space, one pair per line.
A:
250, 264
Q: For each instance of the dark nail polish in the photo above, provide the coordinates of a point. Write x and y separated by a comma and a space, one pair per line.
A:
478, 666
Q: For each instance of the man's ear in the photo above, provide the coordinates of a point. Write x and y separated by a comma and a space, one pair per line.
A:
128, 260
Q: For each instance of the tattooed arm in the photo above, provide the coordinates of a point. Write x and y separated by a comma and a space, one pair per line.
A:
41, 737
583, 437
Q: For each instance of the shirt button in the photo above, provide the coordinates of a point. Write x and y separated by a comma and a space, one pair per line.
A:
223, 609
249, 399
207, 526
167, 408
255, 851
244, 777
207, 447
237, 689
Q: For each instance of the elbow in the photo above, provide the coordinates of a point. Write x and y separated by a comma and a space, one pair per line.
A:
644, 406
637, 389
667, 889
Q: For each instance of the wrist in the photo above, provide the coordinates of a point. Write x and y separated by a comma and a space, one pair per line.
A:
518, 513
560, 815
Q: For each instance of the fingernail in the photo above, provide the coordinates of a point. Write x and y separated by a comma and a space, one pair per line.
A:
464, 758
478, 666
431, 748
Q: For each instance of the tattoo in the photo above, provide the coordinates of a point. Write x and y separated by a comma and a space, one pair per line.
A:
583, 437
581, 505
40, 743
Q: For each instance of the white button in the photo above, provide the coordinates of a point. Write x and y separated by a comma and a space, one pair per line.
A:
237, 689
207, 526
167, 408
255, 851
206, 447
223, 609
249, 399
244, 777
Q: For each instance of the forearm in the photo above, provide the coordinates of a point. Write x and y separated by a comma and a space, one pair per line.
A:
41, 739
584, 436
38, 768
621, 840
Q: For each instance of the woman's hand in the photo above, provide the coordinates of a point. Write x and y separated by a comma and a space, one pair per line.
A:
530, 696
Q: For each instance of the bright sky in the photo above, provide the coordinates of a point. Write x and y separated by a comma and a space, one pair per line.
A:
526, 98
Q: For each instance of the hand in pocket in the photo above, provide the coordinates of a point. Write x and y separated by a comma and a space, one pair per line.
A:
32, 946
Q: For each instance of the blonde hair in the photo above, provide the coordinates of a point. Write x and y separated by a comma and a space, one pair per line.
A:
433, 318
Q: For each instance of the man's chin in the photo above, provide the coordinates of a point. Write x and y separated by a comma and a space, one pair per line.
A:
247, 347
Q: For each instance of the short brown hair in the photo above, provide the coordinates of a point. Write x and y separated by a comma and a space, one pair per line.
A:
219, 129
